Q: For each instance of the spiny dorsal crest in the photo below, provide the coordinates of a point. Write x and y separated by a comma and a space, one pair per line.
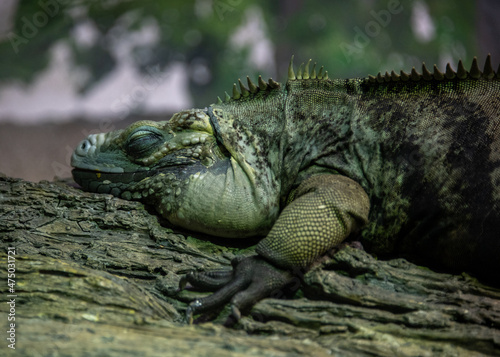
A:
461, 73
252, 89
305, 73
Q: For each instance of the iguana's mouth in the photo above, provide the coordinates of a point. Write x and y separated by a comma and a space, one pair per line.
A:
107, 182
117, 182
100, 176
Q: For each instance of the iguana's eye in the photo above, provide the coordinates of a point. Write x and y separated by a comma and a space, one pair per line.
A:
143, 142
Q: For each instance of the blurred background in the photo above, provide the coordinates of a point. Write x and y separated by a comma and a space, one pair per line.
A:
71, 68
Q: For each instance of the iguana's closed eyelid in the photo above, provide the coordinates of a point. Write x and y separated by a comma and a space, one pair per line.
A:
142, 141
144, 130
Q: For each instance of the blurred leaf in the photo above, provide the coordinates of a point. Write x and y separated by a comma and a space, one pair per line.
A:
351, 39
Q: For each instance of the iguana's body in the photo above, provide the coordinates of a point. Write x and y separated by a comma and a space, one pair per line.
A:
425, 149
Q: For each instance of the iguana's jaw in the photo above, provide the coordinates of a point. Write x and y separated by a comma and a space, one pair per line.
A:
182, 168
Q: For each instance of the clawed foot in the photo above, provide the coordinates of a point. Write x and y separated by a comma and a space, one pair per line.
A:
251, 280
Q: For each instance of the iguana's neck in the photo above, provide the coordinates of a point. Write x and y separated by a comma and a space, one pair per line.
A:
321, 130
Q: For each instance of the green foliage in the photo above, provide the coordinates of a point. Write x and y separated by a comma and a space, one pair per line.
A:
350, 38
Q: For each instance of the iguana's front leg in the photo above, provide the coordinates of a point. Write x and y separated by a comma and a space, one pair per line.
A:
324, 211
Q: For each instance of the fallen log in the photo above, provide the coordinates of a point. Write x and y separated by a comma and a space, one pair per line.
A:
97, 275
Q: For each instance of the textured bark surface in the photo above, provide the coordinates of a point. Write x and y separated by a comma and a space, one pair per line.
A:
96, 275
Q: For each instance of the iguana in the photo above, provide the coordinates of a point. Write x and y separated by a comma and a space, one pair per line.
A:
407, 163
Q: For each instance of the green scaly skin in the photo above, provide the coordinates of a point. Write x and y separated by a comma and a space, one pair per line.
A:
409, 163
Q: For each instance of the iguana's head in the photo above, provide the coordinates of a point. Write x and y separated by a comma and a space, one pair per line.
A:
213, 170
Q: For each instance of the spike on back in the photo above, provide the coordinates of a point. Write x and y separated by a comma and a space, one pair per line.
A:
426, 75
252, 90
304, 72
291, 73
474, 69
488, 71
474, 73
262, 84
240, 91
251, 86
450, 74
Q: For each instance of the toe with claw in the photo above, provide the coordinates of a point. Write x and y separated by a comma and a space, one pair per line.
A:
251, 280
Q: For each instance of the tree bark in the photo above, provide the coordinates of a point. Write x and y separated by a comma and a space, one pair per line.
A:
97, 275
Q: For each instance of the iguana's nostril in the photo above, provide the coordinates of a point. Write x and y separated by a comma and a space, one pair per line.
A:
83, 148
